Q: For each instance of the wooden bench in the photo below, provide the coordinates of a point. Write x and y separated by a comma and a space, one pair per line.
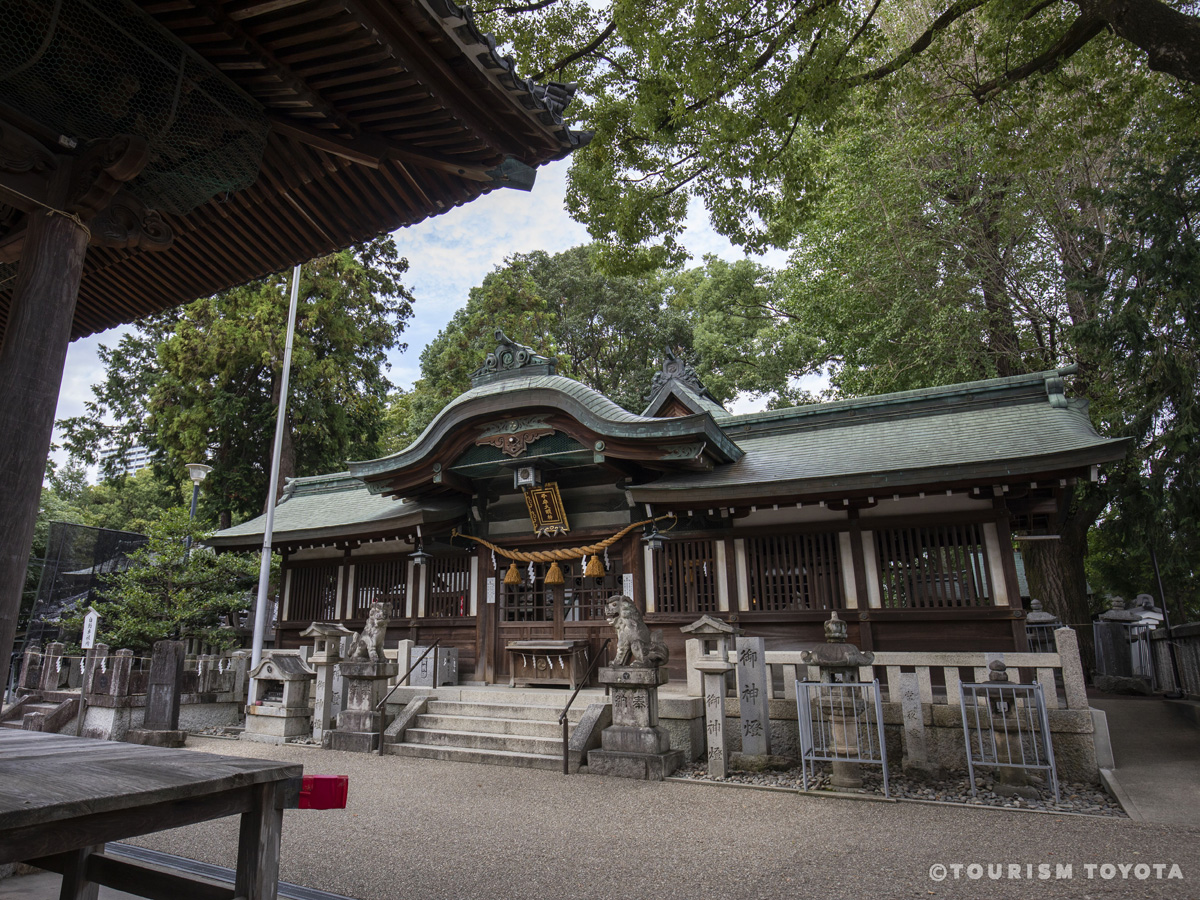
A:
62, 798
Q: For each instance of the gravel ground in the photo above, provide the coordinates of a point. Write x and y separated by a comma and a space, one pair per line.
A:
431, 829
1074, 798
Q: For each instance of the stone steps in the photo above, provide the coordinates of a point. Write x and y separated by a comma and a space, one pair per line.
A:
489, 725
511, 710
35, 706
480, 740
487, 757
518, 728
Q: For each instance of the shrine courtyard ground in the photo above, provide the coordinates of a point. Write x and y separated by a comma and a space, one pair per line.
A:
416, 828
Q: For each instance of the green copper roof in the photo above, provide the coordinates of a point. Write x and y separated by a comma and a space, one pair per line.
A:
515, 395
329, 506
993, 429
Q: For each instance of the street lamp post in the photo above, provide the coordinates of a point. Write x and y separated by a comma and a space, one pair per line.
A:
197, 471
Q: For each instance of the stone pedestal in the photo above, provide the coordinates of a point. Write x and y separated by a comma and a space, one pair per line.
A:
359, 724
635, 745
843, 721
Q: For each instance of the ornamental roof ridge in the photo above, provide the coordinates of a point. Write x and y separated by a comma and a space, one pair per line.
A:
509, 359
675, 369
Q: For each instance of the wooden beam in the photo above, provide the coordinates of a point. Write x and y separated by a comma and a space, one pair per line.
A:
371, 150
142, 879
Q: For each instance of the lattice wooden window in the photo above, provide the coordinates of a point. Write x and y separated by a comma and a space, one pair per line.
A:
584, 598
449, 594
383, 580
313, 593
934, 566
527, 601
685, 577
791, 572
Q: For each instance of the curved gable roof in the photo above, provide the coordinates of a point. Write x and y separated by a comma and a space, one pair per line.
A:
523, 394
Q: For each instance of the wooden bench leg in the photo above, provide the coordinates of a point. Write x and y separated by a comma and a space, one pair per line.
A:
75, 885
257, 876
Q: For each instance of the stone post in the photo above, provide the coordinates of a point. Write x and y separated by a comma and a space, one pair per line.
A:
1067, 643
160, 727
92, 667
122, 670
754, 692
52, 663
916, 762
31, 669
714, 672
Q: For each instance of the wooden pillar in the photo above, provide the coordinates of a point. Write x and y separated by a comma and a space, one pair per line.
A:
31, 369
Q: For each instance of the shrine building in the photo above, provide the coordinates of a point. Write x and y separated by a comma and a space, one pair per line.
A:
531, 499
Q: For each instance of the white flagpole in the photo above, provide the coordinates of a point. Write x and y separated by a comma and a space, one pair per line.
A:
264, 571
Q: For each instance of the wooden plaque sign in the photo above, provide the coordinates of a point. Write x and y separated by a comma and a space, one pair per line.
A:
546, 510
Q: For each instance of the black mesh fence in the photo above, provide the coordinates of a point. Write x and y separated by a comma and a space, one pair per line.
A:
78, 560
94, 69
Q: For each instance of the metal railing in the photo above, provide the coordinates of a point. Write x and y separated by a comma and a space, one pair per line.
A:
1006, 726
562, 717
399, 681
848, 726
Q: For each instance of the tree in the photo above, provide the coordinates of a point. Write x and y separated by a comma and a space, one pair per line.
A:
172, 592
607, 331
201, 383
717, 101
1148, 339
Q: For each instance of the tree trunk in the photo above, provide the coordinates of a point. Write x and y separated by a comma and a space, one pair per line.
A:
31, 369
1056, 574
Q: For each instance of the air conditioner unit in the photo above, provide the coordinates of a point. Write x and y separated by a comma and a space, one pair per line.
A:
527, 476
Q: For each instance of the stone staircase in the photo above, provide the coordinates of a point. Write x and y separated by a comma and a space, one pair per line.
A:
500, 727
49, 713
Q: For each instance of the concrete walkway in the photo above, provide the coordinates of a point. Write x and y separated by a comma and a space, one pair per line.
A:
431, 829
1157, 754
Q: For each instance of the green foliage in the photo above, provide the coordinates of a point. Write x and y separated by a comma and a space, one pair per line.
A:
172, 592
1147, 339
201, 383
726, 102
604, 330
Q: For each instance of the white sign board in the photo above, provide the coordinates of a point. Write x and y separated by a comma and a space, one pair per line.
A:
491, 590
627, 584
90, 621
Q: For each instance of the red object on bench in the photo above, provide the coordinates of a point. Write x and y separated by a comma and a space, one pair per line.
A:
324, 791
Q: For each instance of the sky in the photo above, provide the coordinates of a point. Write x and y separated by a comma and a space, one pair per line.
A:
447, 256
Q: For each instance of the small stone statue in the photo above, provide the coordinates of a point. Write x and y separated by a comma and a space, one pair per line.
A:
369, 644
635, 646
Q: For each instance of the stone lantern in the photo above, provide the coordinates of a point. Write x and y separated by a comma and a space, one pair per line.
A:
839, 662
327, 653
710, 639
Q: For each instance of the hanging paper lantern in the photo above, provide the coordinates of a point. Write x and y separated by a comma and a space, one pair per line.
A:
554, 574
513, 575
595, 568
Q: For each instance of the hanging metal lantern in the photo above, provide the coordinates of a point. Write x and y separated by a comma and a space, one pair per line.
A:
513, 576
554, 574
595, 568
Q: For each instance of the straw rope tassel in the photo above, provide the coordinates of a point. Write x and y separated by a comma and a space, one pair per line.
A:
563, 553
